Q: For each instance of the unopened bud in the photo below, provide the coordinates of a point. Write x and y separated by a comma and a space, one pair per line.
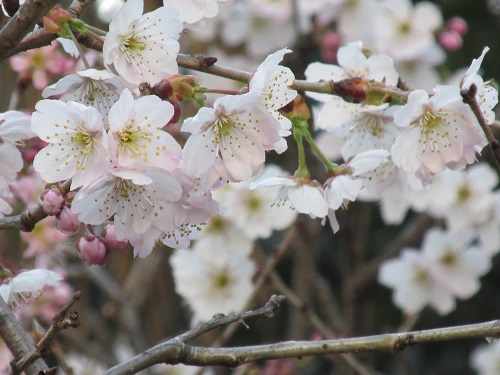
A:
67, 221
458, 24
176, 87
108, 235
92, 250
52, 201
352, 90
55, 18
450, 40
297, 109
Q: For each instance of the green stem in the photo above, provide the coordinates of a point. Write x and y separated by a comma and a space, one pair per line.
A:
205, 90
302, 171
68, 31
331, 167
96, 30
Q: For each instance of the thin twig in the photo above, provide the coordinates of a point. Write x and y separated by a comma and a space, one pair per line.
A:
469, 97
23, 22
17, 339
40, 38
174, 352
60, 321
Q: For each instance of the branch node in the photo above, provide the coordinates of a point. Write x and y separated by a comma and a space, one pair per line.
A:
403, 342
206, 62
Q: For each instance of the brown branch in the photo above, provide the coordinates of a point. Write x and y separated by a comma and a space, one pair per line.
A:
469, 97
60, 321
23, 22
174, 352
17, 339
40, 37
26, 220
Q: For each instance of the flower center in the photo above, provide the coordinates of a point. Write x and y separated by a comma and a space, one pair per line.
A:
216, 224
221, 281
421, 277
84, 138
449, 259
463, 194
132, 44
223, 126
254, 203
430, 120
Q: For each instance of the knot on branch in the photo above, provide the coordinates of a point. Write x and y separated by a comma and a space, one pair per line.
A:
403, 342
29, 218
469, 94
274, 302
206, 62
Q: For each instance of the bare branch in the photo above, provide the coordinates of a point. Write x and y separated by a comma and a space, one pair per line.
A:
175, 351
40, 37
147, 358
23, 22
17, 340
59, 322
469, 97
26, 221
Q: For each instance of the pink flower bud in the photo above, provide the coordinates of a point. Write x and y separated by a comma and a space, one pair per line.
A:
108, 234
67, 221
52, 201
330, 44
458, 24
92, 250
450, 40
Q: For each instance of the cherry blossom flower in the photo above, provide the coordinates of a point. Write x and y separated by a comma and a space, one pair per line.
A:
372, 128
237, 131
192, 11
403, 30
305, 196
258, 25
456, 264
40, 64
212, 284
414, 286
352, 63
486, 358
253, 211
220, 231
446, 268
137, 200
135, 136
26, 284
271, 81
14, 127
436, 132
91, 87
486, 94
347, 184
77, 146
472, 194
142, 48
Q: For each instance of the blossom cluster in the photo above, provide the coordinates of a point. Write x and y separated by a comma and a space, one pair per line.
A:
151, 159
